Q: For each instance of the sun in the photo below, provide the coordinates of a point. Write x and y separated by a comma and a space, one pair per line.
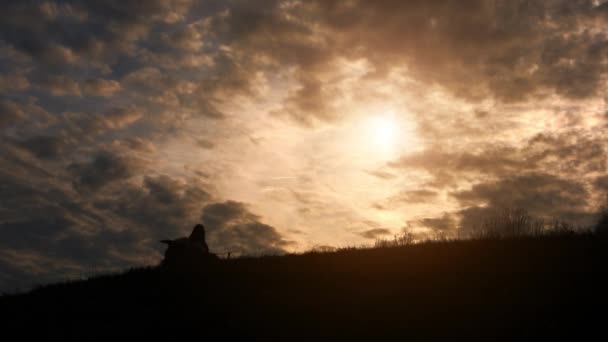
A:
376, 136
384, 129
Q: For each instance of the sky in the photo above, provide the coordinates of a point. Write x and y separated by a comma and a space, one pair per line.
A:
288, 125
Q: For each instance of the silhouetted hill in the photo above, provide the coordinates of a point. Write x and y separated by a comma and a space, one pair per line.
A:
513, 289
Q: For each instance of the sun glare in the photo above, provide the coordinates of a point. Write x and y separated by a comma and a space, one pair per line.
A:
384, 130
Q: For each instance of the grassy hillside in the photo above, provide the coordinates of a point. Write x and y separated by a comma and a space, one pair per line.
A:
518, 288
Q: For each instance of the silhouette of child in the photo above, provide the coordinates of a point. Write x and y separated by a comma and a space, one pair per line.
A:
198, 237
187, 250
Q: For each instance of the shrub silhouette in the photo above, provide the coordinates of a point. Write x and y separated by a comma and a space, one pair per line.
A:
399, 240
517, 222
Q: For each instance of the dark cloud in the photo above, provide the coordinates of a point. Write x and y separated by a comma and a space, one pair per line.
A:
206, 144
188, 38
119, 118
48, 232
573, 153
542, 195
543, 191
163, 207
23, 117
105, 167
375, 233
414, 196
382, 174
10, 112
100, 87
97, 32
396, 201
499, 160
13, 82
444, 223
509, 50
548, 175
501, 45
44, 147
234, 228
136, 144
570, 153
60, 85
165, 90
82, 49
309, 102
90, 125
601, 183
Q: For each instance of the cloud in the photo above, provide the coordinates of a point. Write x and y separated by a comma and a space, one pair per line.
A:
44, 147
98, 31
162, 206
90, 125
375, 233
60, 86
13, 82
444, 164
417, 196
601, 183
382, 174
206, 144
549, 174
443, 223
10, 112
48, 231
136, 144
512, 51
573, 152
100, 87
508, 49
104, 168
542, 195
164, 90
234, 228
189, 38
24, 117
569, 153
120, 117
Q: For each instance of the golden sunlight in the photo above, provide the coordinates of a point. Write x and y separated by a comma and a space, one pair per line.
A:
384, 134
384, 129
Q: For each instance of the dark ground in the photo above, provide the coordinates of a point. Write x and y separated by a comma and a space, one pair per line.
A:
531, 288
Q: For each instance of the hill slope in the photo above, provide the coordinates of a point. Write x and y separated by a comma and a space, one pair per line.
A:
503, 289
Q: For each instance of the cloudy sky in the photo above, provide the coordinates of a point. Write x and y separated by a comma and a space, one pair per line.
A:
284, 125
